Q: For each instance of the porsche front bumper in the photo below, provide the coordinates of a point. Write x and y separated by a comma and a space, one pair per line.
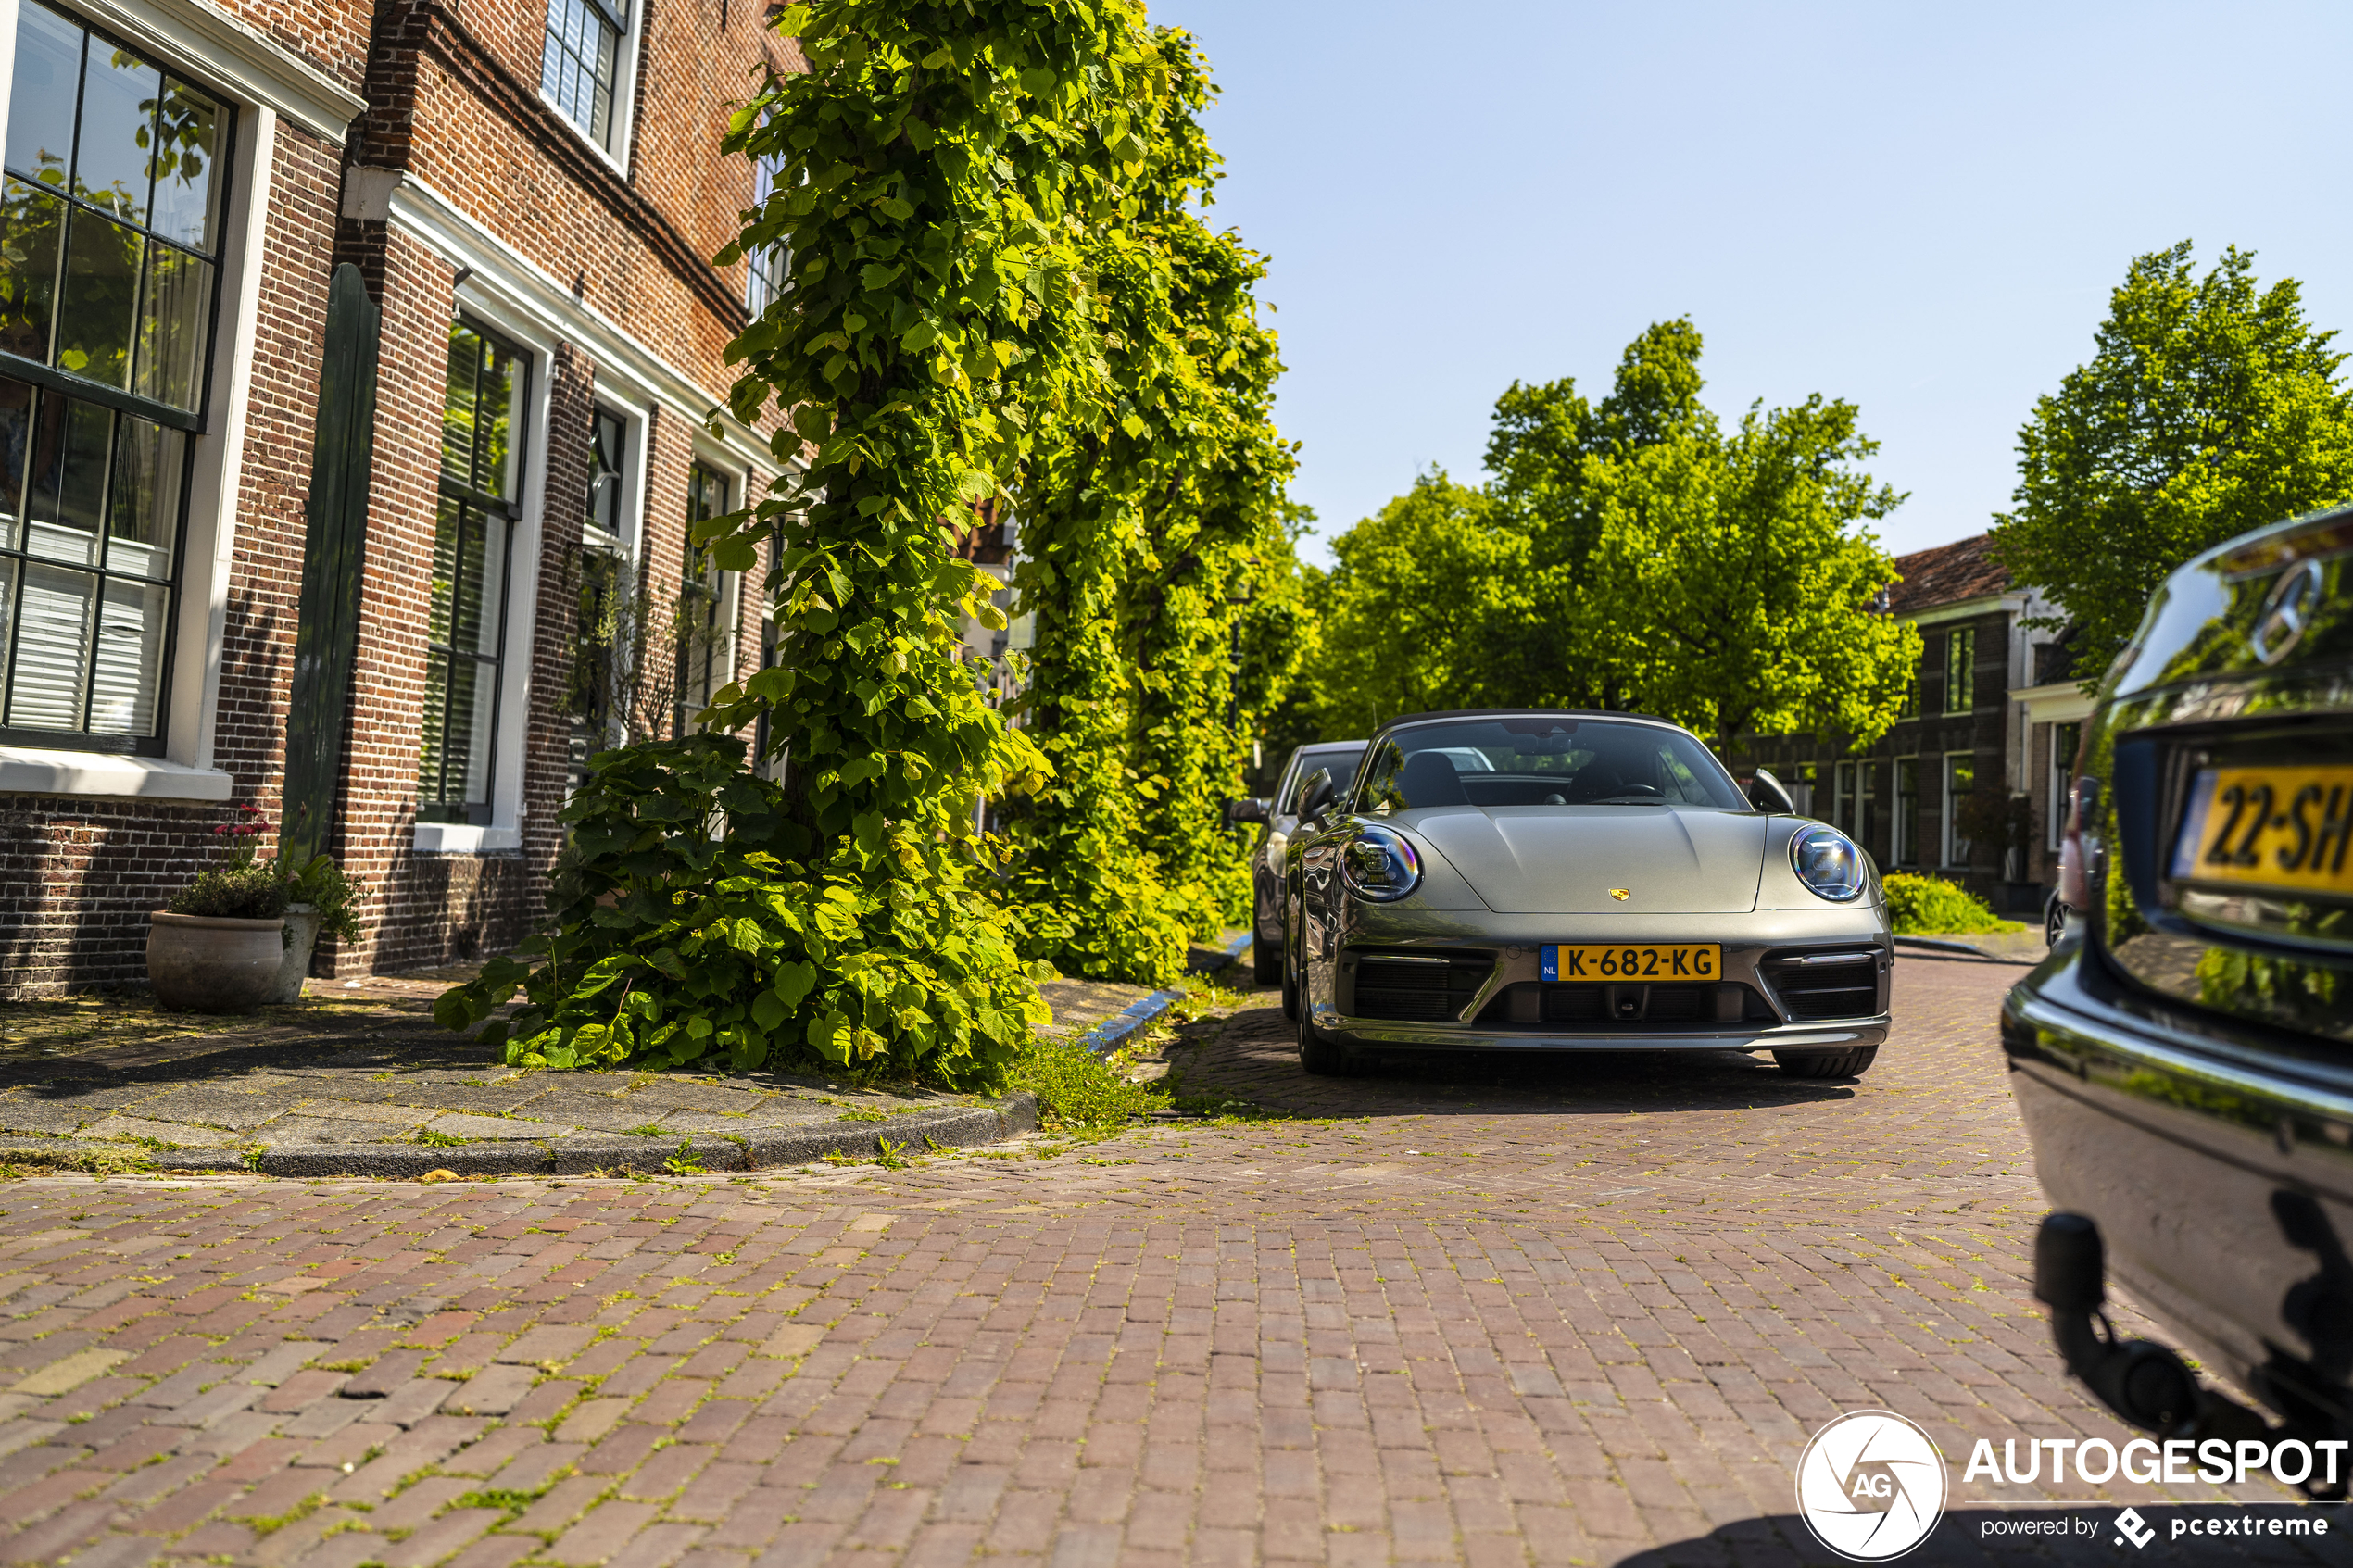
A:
1502, 1003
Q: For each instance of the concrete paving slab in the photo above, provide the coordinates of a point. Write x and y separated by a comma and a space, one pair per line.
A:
460, 1124
186, 1134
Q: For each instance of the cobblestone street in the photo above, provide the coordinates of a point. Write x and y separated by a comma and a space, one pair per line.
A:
1577, 1312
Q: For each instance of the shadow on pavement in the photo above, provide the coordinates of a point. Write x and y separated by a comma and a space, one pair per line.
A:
1992, 1535
1252, 1053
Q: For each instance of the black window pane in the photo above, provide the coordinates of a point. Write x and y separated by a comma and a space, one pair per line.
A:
457, 403
31, 224
604, 475
187, 150
473, 693
143, 506
433, 753
69, 440
16, 446
41, 96
448, 524
128, 666
45, 681
100, 289
172, 314
500, 417
467, 623
117, 135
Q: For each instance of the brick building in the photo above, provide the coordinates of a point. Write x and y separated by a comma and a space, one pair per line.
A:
1967, 785
359, 366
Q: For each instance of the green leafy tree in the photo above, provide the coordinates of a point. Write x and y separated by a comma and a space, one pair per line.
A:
2210, 407
1142, 533
1629, 554
943, 168
1730, 586
1414, 603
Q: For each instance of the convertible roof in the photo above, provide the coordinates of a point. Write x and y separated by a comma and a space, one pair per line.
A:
1404, 719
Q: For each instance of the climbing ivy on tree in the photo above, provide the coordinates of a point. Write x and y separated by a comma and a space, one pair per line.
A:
1136, 539
941, 168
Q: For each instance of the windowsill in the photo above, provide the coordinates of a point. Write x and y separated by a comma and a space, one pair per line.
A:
36, 771
580, 133
464, 838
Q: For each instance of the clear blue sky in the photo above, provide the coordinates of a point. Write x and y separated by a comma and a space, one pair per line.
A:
1919, 209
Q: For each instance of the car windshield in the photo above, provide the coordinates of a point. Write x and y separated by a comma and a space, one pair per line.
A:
1543, 759
1343, 764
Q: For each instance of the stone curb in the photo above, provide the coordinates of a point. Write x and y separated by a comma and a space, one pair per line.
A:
951, 1127
1102, 1037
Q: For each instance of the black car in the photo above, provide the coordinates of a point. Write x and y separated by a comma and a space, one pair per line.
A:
1279, 813
2183, 1060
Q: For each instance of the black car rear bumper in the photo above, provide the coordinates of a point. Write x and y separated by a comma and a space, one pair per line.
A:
2217, 1159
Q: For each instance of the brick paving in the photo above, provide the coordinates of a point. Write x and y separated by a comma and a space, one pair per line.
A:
1584, 1312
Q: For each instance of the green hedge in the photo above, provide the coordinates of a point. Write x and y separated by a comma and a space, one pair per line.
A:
1923, 906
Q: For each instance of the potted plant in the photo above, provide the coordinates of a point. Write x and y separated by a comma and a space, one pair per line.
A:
219, 945
319, 899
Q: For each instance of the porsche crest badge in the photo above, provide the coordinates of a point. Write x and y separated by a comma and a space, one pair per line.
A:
1621, 894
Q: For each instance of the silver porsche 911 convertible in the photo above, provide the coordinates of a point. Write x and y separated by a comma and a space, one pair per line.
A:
1571, 881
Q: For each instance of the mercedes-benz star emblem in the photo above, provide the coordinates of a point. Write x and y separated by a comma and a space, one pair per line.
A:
2279, 626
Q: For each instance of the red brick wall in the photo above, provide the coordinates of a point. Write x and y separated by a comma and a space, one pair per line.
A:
453, 96
79, 877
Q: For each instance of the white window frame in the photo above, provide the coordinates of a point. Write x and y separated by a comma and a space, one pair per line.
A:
1948, 828
2061, 767
1904, 819
624, 90
525, 554
264, 82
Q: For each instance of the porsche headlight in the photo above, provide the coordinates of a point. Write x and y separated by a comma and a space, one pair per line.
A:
1380, 865
1829, 864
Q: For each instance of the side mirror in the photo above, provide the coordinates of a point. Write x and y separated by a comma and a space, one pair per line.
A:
1765, 793
1245, 811
1317, 793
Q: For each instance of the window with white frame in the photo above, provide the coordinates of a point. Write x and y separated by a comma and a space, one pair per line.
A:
581, 71
1906, 848
769, 267
2065, 740
481, 483
706, 629
1960, 782
110, 217
1960, 669
600, 621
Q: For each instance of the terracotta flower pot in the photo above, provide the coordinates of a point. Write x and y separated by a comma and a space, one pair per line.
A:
302, 937
198, 964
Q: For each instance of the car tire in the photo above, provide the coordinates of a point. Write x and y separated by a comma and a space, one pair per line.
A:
2054, 920
1826, 1064
1320, 1057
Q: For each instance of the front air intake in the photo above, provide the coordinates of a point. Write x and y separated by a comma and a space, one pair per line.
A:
1416, 987
1814, 987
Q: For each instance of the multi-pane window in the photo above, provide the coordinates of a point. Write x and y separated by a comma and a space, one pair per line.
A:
1906, 848
604, 476
1960, 669
482, 428
110, 218
706, 647
579, 73
2065, 740
598, 628
1842, 799
769, 265
1960, 780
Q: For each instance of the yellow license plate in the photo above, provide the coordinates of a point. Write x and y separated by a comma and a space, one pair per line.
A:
1667, 961
2283, 827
